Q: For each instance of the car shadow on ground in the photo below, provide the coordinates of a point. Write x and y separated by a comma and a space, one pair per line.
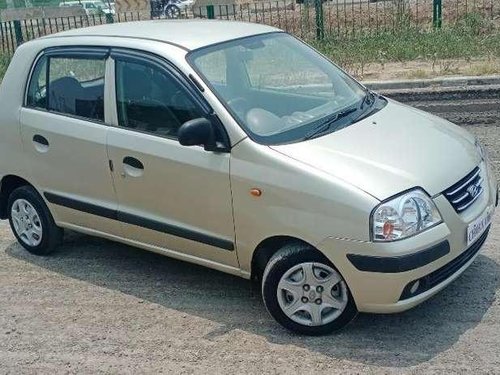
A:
399, 340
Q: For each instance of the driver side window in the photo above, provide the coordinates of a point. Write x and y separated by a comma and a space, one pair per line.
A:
150, 100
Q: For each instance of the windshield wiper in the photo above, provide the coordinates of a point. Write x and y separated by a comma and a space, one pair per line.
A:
368, 99
327, 124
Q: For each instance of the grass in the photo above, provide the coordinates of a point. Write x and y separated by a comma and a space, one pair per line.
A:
4, 63
471, 38
484, 69
412, 45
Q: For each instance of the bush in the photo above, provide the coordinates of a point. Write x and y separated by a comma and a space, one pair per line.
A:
4, 63
471, 37
475, 24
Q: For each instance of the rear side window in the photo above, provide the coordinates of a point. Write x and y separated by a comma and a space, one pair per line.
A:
72, 86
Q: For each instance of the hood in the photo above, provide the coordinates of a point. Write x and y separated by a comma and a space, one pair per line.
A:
395, 149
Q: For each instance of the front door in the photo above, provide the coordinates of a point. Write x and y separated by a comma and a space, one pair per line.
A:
170, 196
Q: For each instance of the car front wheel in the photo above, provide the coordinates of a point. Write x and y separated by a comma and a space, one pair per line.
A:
304, 292
172, 11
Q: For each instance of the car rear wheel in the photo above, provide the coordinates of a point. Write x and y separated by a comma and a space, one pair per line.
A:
304, 292
31, 221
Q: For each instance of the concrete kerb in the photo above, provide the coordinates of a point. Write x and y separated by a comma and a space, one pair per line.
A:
447, 82
442, 89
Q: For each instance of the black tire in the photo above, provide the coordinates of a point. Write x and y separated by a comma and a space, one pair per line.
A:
51, 234
281, 262
172, 11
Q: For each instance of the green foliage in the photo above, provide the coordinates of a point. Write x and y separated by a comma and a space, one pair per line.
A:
470, 37
474, 23
4, 63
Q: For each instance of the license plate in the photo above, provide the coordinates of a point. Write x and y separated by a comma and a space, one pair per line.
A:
478, 226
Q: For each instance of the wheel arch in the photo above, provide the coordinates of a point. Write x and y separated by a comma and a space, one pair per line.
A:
7, 185
267, 248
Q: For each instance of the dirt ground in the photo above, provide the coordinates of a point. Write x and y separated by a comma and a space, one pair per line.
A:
423, 69
101, 307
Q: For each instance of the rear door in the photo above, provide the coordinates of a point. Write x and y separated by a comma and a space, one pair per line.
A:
64, 129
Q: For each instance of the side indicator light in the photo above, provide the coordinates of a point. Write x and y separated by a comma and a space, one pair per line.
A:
256, 192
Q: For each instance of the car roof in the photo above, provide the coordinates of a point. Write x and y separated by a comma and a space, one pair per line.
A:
188, 34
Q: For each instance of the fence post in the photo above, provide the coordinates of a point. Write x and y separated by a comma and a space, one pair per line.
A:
109, 18
18, 32
210, 12
437, 14
320, 25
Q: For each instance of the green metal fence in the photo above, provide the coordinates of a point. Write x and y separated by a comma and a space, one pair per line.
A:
307, 19
316, 18
14, 33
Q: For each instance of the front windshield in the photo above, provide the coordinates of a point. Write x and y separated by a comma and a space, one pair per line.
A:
277, 88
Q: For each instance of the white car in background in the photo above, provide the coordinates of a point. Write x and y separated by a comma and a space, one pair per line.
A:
91, 7
174, 8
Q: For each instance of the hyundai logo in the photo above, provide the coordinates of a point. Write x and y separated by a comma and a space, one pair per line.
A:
473, 190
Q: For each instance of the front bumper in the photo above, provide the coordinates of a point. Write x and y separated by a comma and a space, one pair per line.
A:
381, 276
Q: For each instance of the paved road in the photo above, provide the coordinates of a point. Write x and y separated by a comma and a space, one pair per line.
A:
97, 306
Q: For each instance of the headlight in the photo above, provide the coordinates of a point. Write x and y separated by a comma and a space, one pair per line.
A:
404, 216
481, 150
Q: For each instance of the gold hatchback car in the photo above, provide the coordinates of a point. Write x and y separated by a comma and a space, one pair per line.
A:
244, 150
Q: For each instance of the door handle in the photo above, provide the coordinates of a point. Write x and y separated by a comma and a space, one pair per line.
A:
132, 167
133, 162
41, 143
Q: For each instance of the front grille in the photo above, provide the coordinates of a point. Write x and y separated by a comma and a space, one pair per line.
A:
443, 273
465, 192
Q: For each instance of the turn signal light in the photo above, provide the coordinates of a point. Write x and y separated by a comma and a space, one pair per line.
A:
256, 192
388, 229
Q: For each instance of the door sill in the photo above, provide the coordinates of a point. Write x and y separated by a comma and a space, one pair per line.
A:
160, 250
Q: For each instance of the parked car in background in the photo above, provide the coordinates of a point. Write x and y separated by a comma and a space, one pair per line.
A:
91, 7
174, 8
170, 8
237, 146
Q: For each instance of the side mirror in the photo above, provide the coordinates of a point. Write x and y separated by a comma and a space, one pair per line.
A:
197, 132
